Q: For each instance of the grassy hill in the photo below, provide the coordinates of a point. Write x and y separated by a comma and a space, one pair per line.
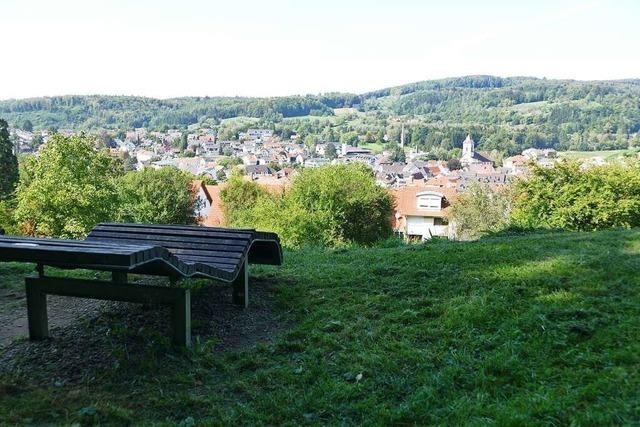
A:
512, 330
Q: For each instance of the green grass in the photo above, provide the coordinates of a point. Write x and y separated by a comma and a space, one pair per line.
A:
537, 329
607, 155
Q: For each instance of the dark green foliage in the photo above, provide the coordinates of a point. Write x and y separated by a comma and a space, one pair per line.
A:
569, 197
90, 112
330, 152
157, 196
454, 164
8, 163
531, 330
398, 154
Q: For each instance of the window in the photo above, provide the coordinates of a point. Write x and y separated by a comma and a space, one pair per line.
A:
430, 201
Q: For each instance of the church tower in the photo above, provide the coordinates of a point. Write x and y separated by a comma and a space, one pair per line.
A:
468, 148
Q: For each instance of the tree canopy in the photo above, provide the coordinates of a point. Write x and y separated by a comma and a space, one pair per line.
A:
330, 205
161, 196
8, 163
67, 189
505, 114
569, 197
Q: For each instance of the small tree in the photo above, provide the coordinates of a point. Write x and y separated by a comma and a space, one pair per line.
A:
164, 196
238, 199
454, 164
8, 163
67, 189
350, 138
27, 126
398, 154
480, 210
330, 151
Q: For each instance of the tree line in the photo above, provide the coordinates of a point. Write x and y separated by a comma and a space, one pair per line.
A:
506, 114
72, 185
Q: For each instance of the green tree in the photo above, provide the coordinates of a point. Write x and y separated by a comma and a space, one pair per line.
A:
310, 142
350, 138
164, 196
330, 205
27, 126
7, 221
67, 189
184, 141
8, 163
454, 164
330, 151
480, 210
572, 198
398, 154
239, 198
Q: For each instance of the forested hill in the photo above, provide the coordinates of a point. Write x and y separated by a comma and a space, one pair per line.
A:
577, 114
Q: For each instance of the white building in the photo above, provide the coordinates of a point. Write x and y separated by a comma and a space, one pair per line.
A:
421, 212
469, 154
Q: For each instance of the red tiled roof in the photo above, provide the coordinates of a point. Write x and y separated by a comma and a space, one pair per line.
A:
406, 201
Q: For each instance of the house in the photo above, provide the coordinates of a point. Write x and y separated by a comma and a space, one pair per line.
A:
516, 165
349, 151
321, 149
317, 162
258, 170
210, 212
421, 212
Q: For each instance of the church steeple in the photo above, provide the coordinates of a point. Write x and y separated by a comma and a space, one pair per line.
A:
468, 147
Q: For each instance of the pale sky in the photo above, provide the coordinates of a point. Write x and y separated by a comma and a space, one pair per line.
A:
282, 47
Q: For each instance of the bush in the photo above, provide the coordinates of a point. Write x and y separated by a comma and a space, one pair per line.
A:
239, 197
480, 210
7, 222
162, 196
331, 205
569, 197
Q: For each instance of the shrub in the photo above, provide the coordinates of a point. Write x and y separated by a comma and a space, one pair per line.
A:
162, 196
331, 205
569, 197
480, 210
239, 197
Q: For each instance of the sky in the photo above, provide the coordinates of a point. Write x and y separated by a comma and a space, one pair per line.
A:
166, 49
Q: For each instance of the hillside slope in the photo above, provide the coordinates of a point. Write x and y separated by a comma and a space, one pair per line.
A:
529, 111
541, 328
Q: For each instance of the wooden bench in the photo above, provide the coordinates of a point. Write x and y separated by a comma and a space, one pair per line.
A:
176, 252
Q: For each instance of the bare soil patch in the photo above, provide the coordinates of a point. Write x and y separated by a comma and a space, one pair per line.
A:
88, 336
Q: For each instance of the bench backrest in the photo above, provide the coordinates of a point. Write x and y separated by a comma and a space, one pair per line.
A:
217, 247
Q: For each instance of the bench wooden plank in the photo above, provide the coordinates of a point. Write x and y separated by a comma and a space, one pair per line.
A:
202, 232
126, 237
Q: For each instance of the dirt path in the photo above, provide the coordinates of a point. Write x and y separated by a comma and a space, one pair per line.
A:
61, 312
213, 315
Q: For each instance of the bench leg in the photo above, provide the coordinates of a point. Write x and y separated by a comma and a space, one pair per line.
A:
241, 286
181, 319
36, 312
